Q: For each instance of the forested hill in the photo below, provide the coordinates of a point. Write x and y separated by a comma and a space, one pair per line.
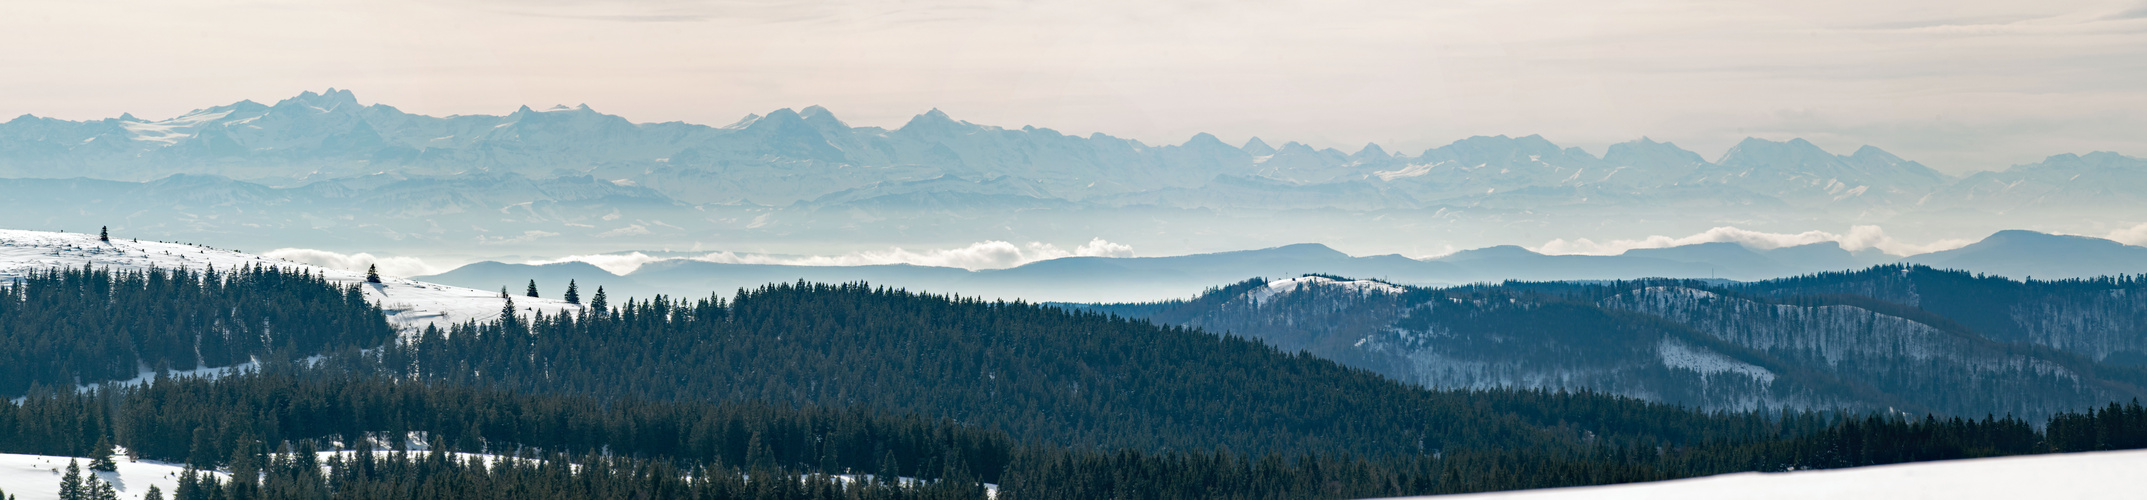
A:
61, 327
708, 398
1040, 373
1907, 338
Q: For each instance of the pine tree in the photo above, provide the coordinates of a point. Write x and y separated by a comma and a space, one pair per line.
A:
71, 484
532, 289
101, 456
100, 490
153, 493
597, 303
104, 234
573, 295
372, 273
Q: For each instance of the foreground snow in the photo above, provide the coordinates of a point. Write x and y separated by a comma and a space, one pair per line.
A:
30, 477
410, 305
2108, 474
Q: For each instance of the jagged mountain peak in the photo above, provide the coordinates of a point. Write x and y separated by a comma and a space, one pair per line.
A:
1648, 152
1874, 153
821, 117
1257, 147
1371, 151
1205, 140
930, 121
748, 120
331, 101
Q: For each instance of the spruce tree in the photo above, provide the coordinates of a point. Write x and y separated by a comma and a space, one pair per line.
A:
100, 490
597, 303
372, 273
104, 234
573, 295
153, 493
532, 289
71, 484
101, 456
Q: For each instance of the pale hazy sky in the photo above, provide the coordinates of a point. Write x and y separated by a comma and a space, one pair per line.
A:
1957, 85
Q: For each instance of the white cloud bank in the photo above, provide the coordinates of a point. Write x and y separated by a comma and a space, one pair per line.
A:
977, 256
390, 266
1858, 238
2135, 235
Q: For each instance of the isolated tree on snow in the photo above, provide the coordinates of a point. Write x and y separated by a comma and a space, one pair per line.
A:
104, 234
372, 273
71, 484
532, 289
153, 494
597, 303
101, 456
573, 295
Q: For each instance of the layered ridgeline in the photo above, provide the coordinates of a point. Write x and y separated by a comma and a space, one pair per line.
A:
2012, 253
797, 156
1896, 337
294, 173
810, 155
715, 396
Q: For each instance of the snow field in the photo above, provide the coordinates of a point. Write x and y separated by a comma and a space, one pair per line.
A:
37, 477
2093, 475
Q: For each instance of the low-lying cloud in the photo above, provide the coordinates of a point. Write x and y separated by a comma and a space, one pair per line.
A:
1856, 239
2135, 235
981, 255
357, 262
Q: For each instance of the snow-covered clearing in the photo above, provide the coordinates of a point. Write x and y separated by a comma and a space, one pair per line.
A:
1284, 287
30, 477
2108, 474
410, 305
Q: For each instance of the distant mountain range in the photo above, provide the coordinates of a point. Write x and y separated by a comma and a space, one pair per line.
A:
2018, 254
810, 156
572, 180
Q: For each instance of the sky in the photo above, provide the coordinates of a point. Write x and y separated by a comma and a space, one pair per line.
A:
1959, 86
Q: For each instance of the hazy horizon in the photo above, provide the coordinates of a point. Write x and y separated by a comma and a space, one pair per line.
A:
1958, 87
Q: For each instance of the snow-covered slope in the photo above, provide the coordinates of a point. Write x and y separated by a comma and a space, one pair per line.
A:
30, 477
410, 305
2112, 474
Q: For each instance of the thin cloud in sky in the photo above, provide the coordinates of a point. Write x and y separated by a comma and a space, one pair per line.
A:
1955, 85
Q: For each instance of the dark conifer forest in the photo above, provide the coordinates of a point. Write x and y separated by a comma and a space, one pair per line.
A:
82, 325
832, 391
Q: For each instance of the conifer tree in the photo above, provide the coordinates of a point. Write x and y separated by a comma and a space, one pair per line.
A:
597, 303
101, 456
71, 484
153, 493
104, 234
532, 289
372, 273
573, 295
100, 490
